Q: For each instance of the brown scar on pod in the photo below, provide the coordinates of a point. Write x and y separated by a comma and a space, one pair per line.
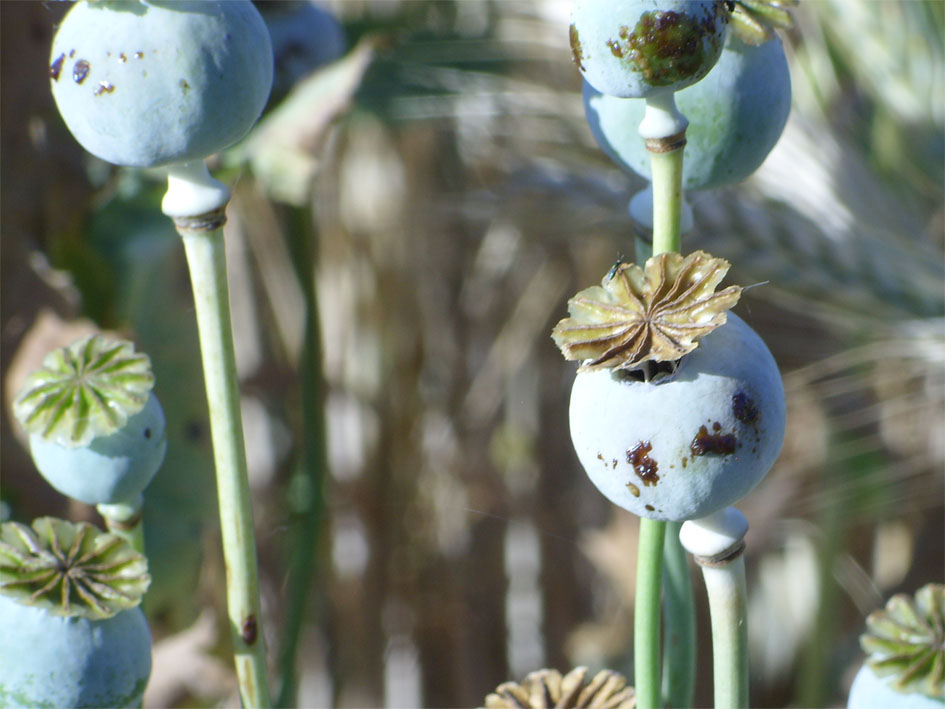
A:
644, 466
715, 442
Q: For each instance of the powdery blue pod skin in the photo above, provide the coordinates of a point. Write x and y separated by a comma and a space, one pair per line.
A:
149, 83
639, 48
51, 661
736, 115
687, 445
871, 692
111, 469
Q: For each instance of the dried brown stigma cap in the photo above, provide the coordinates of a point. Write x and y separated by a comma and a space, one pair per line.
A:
546, 688
657, 313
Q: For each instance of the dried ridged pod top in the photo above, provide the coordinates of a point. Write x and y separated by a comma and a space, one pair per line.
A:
575, 690
656, 313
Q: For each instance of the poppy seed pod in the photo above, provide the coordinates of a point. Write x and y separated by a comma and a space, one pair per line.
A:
113, 468
147, 83
688, 444
48, 660
905, 653
870, 691
96, 430
736, 115
73, 632
639, 48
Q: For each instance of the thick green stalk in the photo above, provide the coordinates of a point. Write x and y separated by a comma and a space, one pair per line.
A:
679, 617
664, 129
666, 169
647, 614
728, 607
207, 262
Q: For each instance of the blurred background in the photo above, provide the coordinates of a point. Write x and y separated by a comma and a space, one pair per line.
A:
408, 220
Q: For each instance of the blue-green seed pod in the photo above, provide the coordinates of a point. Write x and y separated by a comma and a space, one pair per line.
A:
905, 644
639, 48
736, 115
72, 632
96, 430
111, 469
148, 83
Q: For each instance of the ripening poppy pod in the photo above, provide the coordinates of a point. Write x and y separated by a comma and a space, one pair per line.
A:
96, 430
905, 644
695, 416
736, 115
73, 632
148, 82
640, 48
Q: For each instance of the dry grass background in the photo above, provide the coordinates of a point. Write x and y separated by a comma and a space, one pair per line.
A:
436, 229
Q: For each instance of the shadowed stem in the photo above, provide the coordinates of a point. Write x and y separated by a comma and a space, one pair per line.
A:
679, 651
307, 486
207, 262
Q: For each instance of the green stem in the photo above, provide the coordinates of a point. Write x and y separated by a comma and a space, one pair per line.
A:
125, 520
679, 617
728, 607
207, 262
307, 484
647, 613
666, 169
663, 128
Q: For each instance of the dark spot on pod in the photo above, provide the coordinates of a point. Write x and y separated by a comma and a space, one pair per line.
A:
615, 48
634, 490
600, 457
577, 52
248, 630
613, 464
103, 87
684, 462
56, 67
650, 507
147, 433
123, 57
184, 85
138, 55
644, 466
718, 442
80, 70
744, 408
